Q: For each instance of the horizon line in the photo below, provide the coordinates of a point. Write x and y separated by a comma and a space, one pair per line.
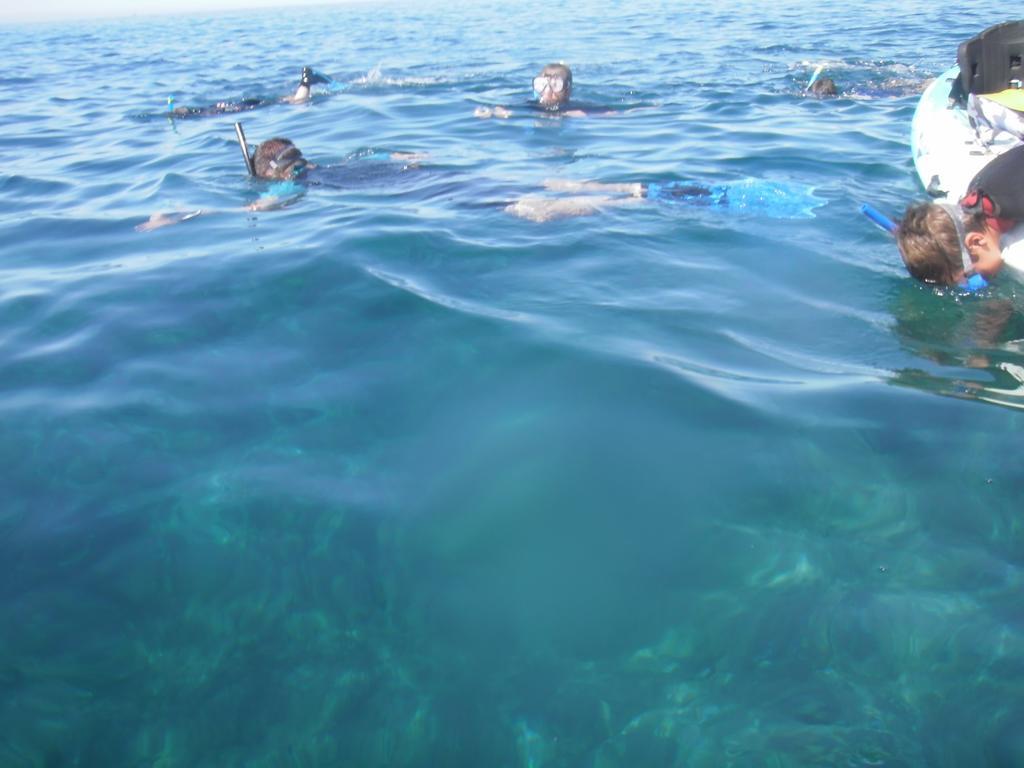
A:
111, 10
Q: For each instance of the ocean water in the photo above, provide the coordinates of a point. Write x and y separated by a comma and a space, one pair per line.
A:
389, 477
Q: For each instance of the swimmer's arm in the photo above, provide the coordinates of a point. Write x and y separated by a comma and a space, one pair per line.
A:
159, 220
502, 113
630, 111
604, 112
410, 159
277, 196
266, 203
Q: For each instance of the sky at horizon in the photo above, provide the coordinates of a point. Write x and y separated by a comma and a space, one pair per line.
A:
66, 10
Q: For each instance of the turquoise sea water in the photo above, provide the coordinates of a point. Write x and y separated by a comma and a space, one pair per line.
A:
392, 478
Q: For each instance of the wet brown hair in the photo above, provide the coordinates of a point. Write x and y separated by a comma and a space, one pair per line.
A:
824, 86
268, 152
929, 243
562, 70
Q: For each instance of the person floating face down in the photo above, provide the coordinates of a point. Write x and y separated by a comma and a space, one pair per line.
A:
277, 160
280, 162
307, 78
552, 88
823, 87
947, 244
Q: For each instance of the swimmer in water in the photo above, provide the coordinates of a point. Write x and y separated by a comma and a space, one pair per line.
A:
820, 86
585, 198
864, 83
280, 160
946, 244
282, 163
303, 91
552, 88
823, 87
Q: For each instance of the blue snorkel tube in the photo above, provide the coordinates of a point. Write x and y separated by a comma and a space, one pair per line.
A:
879, 218
973, 283
817, 73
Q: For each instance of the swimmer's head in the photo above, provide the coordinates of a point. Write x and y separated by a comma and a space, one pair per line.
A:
553, 85
278, 159
823, 86
930, 244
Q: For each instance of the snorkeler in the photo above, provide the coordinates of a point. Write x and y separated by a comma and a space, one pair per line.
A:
947, 244
552, 89
280, 162
772, 199
820, 86
863, 81
303, 91
823, 87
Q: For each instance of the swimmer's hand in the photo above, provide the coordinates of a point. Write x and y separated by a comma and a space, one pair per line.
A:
158, 220
486, 112
265, 203
277, 195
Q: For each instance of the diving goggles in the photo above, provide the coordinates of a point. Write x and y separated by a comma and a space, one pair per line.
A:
290, 155
973, 281
555, 82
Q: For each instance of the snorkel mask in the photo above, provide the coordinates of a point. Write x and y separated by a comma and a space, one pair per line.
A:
972, 281
290, 155
557, 83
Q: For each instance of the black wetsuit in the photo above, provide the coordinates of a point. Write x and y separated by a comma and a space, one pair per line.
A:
220, 108
364, 172
1001, 184
360, 172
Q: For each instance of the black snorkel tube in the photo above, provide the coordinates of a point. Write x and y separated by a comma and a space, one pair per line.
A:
249, 165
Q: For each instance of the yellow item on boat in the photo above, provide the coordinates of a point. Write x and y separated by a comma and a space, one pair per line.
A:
1011, 97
